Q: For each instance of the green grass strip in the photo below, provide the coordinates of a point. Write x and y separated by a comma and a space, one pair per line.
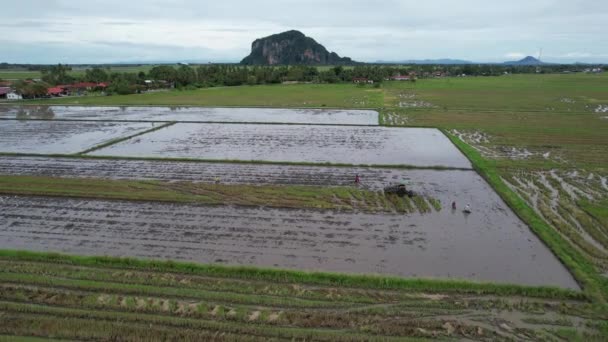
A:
583, 271
292, 276
119, 140
276, 196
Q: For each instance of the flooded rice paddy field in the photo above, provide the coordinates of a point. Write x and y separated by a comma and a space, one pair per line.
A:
491, 244
193, 114
49, 137
228, 173
486, 245
295, 143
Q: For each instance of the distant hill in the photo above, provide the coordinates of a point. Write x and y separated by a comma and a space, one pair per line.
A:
446, 61
526, 61
290, 48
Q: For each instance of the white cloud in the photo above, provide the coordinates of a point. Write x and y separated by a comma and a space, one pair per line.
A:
212, 30
515, 55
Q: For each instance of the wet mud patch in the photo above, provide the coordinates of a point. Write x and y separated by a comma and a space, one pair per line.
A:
193, 114
48, 137
294, 143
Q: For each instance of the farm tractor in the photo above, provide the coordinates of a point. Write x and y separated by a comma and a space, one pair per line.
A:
399, 190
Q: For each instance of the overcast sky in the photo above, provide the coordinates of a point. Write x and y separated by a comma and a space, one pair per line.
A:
110, 31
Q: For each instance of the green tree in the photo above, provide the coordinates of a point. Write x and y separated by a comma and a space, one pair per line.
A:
163, 73
96, 75
57, 74
185, 76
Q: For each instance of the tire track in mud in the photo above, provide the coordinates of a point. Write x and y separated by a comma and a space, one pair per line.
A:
445, 244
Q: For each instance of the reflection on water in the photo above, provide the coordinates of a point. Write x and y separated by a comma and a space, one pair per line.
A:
192, 114
35, 113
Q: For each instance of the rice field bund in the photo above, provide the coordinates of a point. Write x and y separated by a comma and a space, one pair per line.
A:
142, 222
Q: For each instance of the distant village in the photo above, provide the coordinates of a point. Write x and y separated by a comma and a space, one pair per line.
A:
9, 90
56, 81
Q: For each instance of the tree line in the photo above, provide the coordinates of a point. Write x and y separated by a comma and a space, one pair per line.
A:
213, 75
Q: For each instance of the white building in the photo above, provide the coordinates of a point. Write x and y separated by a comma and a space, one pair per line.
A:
13, 96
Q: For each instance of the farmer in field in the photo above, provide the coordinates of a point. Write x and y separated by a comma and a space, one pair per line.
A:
357, 179
467, 209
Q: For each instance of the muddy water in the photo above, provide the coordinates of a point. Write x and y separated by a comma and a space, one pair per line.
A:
491, 244
193, 114
61, 137
295, 143
228, 173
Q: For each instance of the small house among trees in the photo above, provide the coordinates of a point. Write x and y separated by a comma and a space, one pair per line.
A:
362, 80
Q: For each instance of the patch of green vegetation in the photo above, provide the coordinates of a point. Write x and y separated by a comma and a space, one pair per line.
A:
559, 93
294, 95
435, 203
421, 204
598, 210
288, 196
539, 113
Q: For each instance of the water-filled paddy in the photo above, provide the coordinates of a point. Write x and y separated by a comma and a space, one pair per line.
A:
193, 114
49, 137
489, 245
295, 143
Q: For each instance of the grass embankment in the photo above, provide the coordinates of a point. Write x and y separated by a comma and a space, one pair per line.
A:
77, 297
581, 268
278, 196
295, 95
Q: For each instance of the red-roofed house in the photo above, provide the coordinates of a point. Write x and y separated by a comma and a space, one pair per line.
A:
55, 91
83, 86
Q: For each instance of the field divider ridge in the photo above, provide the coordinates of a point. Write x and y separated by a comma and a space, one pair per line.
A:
119, 140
